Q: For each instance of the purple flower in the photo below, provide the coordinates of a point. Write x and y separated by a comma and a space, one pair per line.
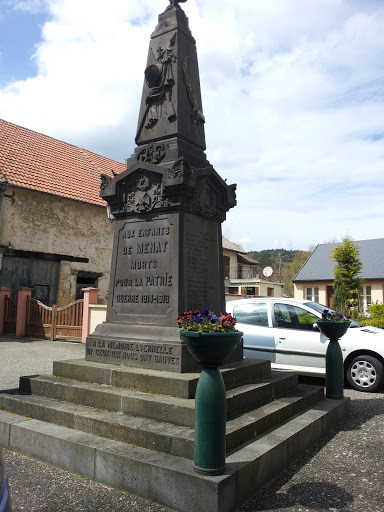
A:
206, 321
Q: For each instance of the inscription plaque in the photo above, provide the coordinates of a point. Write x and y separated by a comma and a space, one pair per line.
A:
160, 356
142, 275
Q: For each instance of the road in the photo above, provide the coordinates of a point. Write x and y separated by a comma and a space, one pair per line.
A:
343, 472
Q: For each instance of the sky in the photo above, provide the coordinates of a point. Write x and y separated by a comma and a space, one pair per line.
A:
292, 91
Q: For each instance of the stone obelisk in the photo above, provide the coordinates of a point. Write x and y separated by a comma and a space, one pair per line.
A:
168, 206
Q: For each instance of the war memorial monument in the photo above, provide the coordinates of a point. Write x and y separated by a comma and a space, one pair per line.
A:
124, 414
169, 205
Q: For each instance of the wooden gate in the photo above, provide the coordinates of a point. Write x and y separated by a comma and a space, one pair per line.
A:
69, 321
53, 322
10, 311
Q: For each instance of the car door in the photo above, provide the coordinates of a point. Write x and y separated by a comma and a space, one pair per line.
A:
254, 319
298, 341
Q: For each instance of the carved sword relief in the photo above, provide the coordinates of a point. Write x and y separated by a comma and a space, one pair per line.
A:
196, 114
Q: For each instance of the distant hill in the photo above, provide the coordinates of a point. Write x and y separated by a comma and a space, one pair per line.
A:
281, 260
274, 258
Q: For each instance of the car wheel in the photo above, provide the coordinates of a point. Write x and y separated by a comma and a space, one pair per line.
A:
365, 373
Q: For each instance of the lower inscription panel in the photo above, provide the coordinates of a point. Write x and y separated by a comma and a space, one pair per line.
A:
158, 356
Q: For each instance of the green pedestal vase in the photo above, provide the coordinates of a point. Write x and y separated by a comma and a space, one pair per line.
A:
334, 367
211, 350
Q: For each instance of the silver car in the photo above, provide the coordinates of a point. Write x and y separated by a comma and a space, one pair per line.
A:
284, 331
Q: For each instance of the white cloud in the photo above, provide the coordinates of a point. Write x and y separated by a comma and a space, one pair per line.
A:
26, 6
292, 93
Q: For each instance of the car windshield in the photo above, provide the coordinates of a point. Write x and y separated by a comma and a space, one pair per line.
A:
320, 308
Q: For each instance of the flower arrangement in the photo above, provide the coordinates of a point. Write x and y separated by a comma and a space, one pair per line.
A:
333, 316
206, 321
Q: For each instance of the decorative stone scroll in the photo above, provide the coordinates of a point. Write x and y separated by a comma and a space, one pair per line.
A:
152, 154
180, 169
105, 181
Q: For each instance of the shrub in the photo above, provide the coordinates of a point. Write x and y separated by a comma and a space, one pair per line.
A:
376, 318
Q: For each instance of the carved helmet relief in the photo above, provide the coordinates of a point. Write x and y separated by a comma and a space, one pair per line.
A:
160, 81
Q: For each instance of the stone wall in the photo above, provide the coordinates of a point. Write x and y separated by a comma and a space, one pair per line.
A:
44, 223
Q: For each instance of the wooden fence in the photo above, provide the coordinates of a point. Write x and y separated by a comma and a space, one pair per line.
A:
10, 313
53, 322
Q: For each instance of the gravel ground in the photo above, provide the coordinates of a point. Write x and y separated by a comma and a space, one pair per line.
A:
27, 356
343, 472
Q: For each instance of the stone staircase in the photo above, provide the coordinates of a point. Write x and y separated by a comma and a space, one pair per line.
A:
132, 428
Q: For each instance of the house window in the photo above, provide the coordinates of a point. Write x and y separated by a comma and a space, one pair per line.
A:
270, 292
226, 264
367, 296
312, 294
85, 280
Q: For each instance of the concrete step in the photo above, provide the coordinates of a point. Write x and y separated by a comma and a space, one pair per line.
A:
253, 423
179, 411
155, 435
249, 396
161, 436
182, 385
166, 479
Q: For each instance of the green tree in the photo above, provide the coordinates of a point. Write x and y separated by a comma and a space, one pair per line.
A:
346, 271
298, 261
292, 269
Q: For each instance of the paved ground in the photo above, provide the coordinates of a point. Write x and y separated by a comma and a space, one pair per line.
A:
344, 472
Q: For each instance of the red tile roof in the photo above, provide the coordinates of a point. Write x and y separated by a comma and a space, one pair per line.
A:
31, 160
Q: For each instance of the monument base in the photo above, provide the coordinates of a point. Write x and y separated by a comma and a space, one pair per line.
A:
144, 346
133, 429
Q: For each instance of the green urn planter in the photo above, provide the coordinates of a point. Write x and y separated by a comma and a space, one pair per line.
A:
211, 349
334, 367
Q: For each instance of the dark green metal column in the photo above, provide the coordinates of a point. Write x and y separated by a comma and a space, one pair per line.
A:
210, 423
334, 370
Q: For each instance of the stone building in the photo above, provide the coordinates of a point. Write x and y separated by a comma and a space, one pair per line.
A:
244, 277
55, 235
